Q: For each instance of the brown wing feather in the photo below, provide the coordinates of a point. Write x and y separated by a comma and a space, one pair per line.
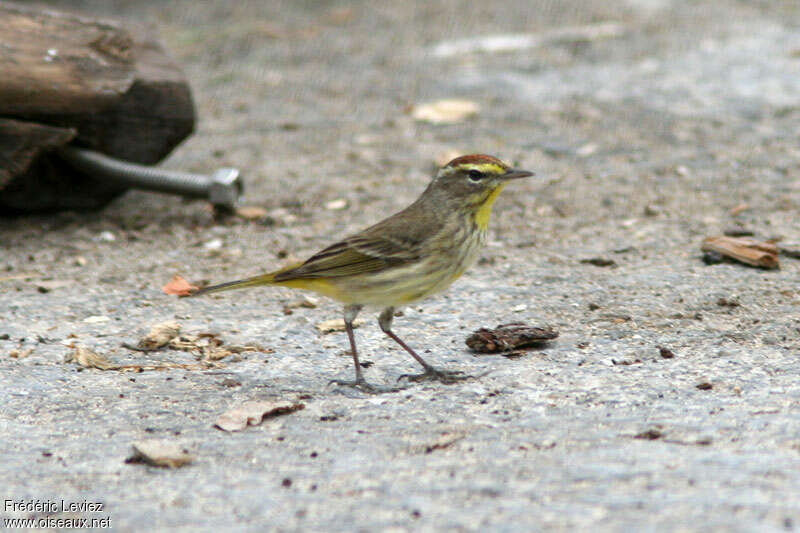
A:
389, 243
357, 255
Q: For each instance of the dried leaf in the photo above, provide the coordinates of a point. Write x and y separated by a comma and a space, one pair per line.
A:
205, 346
336, 324
216, 353
88, 359
251, 212
304, 301
508, 337
252, 413
235, 348
159, 336
163, 453
178, 286
748, 251
188, 343
445, 111
20, 354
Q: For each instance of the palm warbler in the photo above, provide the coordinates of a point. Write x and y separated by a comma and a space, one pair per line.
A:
410, 255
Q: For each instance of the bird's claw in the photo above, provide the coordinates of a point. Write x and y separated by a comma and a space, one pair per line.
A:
364, 386
443, 376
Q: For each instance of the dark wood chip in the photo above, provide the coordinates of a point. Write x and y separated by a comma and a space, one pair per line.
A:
650, 434
600, 262
666, 353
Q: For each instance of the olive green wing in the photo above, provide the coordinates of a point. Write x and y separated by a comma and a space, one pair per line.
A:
357, 255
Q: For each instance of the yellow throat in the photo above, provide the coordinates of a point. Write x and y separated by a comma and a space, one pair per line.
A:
484, 210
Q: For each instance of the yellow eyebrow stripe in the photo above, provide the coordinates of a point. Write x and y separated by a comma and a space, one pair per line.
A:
486, 168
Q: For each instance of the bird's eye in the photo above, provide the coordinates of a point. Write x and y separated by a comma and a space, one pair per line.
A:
475, 175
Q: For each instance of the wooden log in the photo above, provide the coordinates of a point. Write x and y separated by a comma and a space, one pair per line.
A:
114, 89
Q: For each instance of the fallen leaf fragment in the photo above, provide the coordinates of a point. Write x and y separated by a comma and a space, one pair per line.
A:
178, 286
445, 111
159, 336
209, 347
88, 359
744, 250
205, 346
253, 413
20, 354
158, 452
307, 302
336, 324
508, 337
251, 212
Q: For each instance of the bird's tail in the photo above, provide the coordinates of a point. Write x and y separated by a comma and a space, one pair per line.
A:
255, 281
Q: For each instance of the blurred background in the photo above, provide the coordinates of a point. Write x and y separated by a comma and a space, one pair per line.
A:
685, 107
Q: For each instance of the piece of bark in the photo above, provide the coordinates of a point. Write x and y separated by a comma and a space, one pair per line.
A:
748, 251
114, 89
253, 413
160, 452
508, 337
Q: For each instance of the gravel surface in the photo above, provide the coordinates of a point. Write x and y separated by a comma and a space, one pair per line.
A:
647, 122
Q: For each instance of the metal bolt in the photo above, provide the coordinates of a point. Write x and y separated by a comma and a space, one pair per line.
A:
223, 189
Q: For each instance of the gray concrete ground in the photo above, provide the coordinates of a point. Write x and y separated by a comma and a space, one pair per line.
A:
645, 134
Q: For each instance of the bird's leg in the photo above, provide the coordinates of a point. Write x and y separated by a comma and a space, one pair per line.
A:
431, 372
350, 314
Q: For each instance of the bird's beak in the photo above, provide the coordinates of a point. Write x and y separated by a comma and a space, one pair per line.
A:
513, 174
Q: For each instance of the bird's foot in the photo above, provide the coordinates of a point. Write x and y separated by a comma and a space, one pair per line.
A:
441, 375
362, 385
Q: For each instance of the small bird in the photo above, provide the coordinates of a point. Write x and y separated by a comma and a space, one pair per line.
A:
411, 255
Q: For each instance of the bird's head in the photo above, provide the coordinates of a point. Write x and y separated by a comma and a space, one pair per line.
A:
473, 182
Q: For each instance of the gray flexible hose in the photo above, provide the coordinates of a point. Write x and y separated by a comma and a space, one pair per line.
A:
223, 188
